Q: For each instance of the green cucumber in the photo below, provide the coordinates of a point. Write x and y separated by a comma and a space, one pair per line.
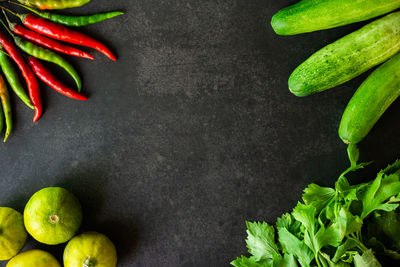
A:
370, 101
348, 57
314, 15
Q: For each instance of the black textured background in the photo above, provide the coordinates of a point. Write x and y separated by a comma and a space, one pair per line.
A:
190, 133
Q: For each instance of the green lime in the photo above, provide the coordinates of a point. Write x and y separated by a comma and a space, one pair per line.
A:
90, 249
53, 215
12, 233
33, 258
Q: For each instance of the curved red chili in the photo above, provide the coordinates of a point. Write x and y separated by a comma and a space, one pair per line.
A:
62, 33
29, 76
47, 42
47, 77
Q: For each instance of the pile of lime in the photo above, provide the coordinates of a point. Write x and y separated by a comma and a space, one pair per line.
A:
52, 216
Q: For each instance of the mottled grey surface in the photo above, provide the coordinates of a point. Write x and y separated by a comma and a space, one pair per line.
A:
192, 131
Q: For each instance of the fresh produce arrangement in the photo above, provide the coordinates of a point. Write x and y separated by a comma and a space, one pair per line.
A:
52, 216
348, 57
42, 36
346, 225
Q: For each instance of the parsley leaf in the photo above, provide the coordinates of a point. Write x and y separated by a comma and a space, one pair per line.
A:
349, 244
248, 262
261, 242
366, 260
393, 168
292, 245
377, 195
291, 224
306, 215
318, 196
288, 261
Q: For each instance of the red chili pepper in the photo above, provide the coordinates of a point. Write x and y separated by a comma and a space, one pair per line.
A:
47, 42
29, 76
62, 33
47, 77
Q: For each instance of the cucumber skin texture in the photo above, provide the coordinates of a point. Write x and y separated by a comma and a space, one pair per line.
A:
313, 15
348, 57
371, 100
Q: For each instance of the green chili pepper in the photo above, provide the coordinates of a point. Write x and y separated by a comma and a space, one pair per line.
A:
50, 56
5, 102
13, 79
54, 4
79, 21
1, 119
73, 21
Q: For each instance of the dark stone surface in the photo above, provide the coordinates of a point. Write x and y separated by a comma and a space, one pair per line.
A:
192, 131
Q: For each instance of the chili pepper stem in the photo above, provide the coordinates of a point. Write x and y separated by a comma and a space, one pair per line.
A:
22, 5
4, 52
6, 16
4, 24
10, 11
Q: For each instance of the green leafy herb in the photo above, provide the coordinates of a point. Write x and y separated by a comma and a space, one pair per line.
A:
326, 229
292, 244
366, 260
246, 262
261, 242
381, 194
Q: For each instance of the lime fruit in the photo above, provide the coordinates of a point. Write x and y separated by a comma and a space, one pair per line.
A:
33, 258
90, 249
52, 215
12, 233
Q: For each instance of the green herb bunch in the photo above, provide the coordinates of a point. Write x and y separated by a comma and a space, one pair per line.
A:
342, 226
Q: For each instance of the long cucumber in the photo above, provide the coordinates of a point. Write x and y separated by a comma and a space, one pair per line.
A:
314, 15
370, 101
348, 57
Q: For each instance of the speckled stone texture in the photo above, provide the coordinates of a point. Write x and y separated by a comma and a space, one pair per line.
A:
190, 133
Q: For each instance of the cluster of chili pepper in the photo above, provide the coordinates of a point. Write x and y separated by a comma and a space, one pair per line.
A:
39, 37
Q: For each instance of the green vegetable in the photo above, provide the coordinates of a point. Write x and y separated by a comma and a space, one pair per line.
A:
371, 100
379, 193
72, 21
366, 260
311, 15
6, 103
1, 119
79, 21
260, 242
50, 56
327, 228
54, 4
348, 57
13, 79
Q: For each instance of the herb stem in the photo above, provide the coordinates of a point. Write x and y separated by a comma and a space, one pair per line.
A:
317, 260
360, 244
